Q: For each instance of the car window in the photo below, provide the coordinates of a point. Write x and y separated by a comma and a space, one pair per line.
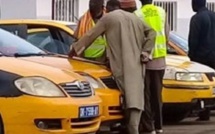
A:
179, 41
51, 39
20, 30
67, 38
11, 44
171, 50
38, 38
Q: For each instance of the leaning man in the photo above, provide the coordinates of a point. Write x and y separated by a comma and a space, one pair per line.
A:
127, 37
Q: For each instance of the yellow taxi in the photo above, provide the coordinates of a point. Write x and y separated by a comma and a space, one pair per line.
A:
187, 85
99, 77
179, 46
39, 99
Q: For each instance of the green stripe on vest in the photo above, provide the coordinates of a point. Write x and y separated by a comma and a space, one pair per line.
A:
97, 49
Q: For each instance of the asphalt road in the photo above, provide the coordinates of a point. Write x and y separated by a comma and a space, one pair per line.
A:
191, 126
188, 126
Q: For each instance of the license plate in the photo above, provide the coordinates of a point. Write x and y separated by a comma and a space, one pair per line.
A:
88, 111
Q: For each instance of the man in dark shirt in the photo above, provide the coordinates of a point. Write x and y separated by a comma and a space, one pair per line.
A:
202, 34
202, 40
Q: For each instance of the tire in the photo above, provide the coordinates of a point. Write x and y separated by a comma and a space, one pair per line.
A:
204, 115
175, 115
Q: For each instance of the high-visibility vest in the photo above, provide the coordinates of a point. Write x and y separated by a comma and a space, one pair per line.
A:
154, 17
97, 49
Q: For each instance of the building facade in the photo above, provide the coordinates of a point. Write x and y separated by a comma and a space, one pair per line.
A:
27, 9
179, 11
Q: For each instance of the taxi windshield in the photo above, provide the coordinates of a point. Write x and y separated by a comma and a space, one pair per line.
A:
12, 45
179, 41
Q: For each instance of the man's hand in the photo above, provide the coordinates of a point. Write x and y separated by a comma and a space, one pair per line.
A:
72, 53
107, 63
144, 57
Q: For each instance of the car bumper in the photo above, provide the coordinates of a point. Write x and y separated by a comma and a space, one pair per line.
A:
187, 94
60, 115
187, 98
195, 104
111, 105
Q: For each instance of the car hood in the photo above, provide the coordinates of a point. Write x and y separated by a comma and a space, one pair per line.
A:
183, 62
77, 64
82, 65
28, 68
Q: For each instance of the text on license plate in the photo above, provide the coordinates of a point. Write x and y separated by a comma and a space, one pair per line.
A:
88, 111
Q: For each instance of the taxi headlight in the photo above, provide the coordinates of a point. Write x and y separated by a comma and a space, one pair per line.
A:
38, 86
93, 82
171, 71
185, 76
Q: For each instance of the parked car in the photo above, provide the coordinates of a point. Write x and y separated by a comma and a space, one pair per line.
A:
36, 98
186, 84
97, 75
71, 25
177, 45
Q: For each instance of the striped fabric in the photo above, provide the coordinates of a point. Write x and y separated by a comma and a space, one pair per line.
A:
85, 24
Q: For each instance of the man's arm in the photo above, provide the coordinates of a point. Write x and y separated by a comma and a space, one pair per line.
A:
193, 36
84, 42
167, 29
149, 43
150, 36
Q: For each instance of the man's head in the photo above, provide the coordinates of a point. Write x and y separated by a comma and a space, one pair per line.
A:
96, 8
144, 2
198, 4
128, 5
112, 5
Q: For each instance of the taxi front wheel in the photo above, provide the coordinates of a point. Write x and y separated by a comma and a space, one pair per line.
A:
175, 117
204, 115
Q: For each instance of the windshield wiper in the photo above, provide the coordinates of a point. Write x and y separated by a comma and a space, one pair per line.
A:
30, 54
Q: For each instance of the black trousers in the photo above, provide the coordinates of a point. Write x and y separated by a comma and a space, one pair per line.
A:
151, 118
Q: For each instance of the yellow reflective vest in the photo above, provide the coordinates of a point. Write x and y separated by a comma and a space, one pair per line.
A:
154, 17
97, 49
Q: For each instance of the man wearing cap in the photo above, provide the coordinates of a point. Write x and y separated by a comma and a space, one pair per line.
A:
130, 42
128, 5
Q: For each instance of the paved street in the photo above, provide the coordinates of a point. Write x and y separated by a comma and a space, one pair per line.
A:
191, 126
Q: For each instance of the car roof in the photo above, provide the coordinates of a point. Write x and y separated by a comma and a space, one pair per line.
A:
64, 22
32, 21
56, 23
